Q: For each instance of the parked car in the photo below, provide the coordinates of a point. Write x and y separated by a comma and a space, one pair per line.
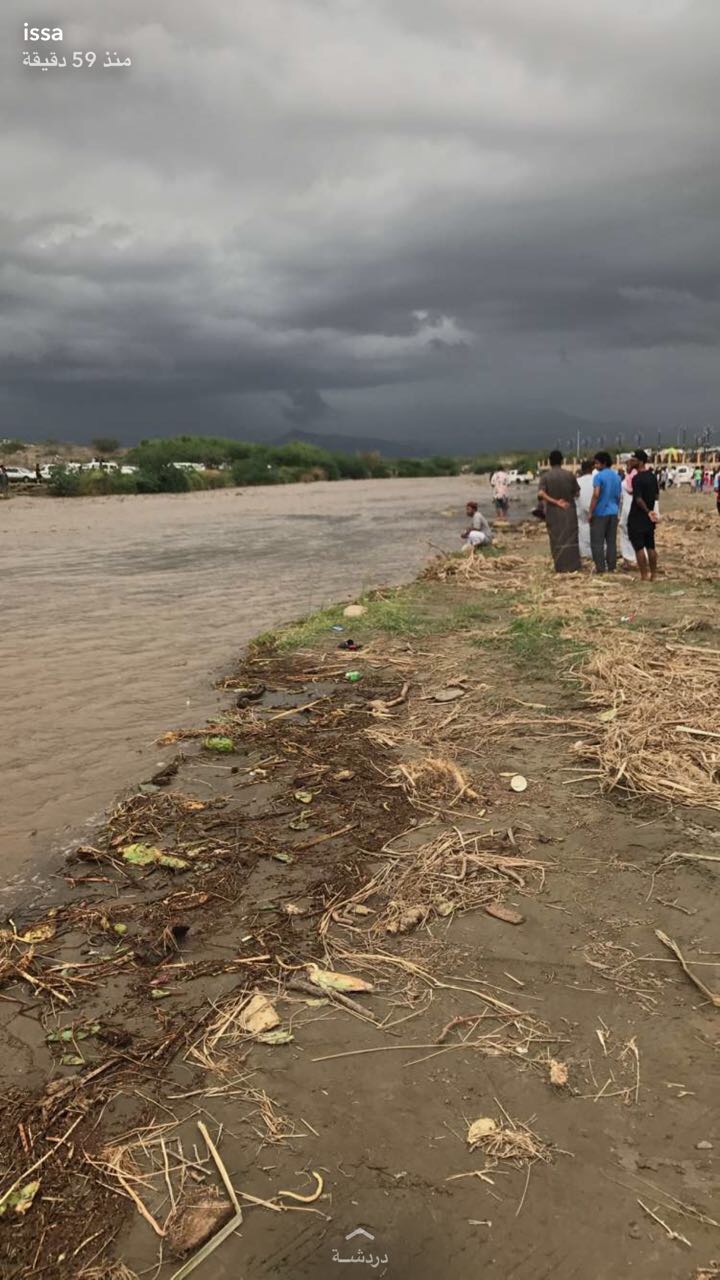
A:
519, 477
682, 474
20, 475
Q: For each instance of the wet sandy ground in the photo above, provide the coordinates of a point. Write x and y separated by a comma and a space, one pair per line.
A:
118, 611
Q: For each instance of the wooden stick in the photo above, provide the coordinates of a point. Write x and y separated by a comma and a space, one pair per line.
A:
331, 835
673, 946
694, 857
522, 1198
381, 1048
295, 711
160, 1231
221, 1169
337, 997
672, 1235
168, 1180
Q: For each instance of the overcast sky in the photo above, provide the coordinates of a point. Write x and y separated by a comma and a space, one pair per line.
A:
334, 214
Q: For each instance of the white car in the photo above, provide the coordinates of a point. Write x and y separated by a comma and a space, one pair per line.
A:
682, 474
519, 477
18, 475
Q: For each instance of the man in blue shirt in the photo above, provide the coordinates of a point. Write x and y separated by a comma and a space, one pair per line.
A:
604, 509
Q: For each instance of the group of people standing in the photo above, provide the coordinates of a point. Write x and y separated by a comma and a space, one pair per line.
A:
599, 514
705, 481
585, 513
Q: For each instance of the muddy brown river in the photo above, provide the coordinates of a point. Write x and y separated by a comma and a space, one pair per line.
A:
118, 612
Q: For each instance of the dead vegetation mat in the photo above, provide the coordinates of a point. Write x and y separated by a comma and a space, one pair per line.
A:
108, 970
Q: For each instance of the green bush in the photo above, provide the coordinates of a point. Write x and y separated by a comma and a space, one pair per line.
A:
210, 450
244, 464
95, 482
164, 479
256, 471
124, 484
63, 483
377, 467
443, 465
213, 479
409, 468
350, 466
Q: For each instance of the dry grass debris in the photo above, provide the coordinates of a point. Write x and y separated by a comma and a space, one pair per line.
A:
657, 725
435, 780
452, 872
507, 1139
473, 570
621, 967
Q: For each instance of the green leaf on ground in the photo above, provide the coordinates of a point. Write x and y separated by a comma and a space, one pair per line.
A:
21, 1200
223, 745
147, 855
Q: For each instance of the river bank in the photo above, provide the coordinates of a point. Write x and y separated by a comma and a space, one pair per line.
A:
509, 936
116, 609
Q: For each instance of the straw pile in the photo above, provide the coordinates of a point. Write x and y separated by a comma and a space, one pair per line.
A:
435, 780
689, 545
657, 722
471, 569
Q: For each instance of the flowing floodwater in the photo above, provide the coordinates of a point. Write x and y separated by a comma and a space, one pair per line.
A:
117, 613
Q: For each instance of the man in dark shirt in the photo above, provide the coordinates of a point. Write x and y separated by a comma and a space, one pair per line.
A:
642, 518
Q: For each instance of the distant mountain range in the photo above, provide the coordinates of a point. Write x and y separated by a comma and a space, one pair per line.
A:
491, 431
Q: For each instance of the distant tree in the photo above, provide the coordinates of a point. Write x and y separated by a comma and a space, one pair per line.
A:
11, 446
444, 466
377, 466
105, 444
410, 468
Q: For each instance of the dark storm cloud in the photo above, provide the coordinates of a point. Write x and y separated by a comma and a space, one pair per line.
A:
293, 207
306, 407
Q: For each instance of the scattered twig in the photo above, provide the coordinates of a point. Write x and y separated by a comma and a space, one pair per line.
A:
673, 946
221, 1169
671, 1235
